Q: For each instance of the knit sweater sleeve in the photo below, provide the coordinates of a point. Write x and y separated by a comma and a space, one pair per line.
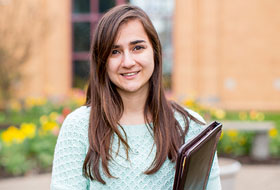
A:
70, 153
214, 182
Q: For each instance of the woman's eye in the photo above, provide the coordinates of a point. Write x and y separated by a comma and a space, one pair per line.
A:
138, 47
115, 52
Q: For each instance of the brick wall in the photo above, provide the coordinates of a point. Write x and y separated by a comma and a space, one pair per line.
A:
227, 53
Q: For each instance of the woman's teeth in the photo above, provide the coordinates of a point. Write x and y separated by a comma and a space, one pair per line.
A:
129, 74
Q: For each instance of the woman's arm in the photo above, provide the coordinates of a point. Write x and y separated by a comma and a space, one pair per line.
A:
70, 151
214, 182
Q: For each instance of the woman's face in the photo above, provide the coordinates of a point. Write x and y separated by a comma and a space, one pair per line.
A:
130, 64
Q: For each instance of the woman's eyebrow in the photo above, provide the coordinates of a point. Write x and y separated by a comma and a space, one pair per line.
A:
137, 42
115, 46
131, 43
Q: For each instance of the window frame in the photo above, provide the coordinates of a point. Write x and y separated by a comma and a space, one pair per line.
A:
92, 17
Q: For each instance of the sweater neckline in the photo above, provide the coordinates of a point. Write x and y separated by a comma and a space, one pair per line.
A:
136, 130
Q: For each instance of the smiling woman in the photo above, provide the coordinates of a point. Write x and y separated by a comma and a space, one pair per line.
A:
128, 134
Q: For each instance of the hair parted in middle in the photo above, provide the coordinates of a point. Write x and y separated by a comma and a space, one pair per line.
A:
107, 106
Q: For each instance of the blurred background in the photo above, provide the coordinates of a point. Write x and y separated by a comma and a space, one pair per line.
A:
220, 58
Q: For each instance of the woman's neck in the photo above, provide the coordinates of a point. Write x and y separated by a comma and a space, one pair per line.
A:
134, 104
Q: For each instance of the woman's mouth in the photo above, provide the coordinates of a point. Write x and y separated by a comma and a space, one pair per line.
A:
130, 74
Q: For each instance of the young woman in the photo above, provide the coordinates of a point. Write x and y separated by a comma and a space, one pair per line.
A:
128, 134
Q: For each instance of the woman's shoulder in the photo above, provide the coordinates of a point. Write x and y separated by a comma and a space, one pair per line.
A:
179, 117
79, 114
194, 127
195, 115
77, 121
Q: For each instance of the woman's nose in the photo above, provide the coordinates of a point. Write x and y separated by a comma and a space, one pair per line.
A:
128, 60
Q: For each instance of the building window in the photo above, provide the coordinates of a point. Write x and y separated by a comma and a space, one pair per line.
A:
105, 5
81, 6
81, 36
85, 15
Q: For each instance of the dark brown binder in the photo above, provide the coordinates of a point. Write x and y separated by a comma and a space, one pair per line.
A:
195, 159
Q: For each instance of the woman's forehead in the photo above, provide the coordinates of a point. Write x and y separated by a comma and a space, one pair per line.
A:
129, 31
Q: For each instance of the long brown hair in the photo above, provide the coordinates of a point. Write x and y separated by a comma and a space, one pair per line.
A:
107, 106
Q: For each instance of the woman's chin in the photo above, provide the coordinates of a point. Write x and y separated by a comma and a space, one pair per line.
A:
132, 89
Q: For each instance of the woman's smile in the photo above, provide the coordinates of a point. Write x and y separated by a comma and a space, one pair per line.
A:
130, 74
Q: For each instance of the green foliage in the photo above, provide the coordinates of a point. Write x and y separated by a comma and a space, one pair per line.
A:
33, 113
42, 149
235, 143
275, 141
14, 159
31, 154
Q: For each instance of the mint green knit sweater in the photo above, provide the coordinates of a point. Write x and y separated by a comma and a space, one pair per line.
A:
72, 146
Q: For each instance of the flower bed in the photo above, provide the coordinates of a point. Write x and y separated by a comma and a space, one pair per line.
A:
30, 128
28, 133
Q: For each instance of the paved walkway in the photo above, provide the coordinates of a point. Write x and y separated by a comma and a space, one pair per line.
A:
38, 182
260, 177
257, 177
